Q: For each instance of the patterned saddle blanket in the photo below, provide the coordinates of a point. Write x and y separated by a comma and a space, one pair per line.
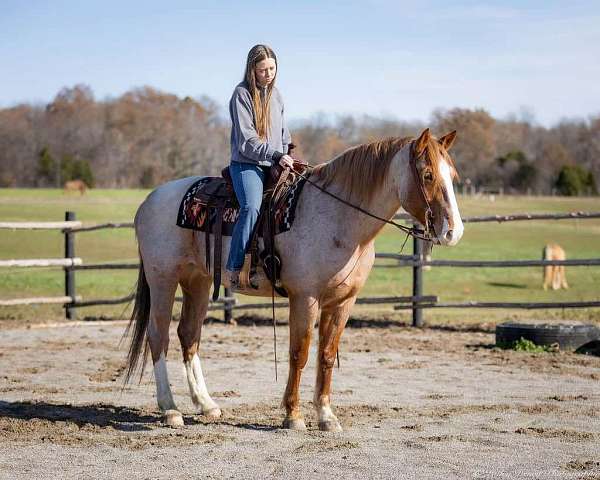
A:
210, 206
197, 210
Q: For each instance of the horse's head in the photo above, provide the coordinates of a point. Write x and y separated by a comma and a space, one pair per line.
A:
428, 194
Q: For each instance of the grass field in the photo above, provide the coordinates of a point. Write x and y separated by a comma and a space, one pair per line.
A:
490, 241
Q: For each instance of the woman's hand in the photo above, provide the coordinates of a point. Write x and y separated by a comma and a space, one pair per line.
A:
286, 161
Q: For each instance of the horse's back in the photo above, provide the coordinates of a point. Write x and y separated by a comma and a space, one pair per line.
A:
164, 200
553, 251
155, 220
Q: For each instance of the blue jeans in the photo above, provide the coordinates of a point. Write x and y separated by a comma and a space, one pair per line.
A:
248, 182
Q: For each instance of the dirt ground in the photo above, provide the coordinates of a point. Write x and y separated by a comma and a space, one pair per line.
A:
414, 403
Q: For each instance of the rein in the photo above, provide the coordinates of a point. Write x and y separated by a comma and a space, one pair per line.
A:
422, 234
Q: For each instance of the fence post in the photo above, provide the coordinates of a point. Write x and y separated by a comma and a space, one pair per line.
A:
417, 313
227, 307
69, 272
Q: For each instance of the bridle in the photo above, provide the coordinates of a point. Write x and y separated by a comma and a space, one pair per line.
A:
423, 234
429, 225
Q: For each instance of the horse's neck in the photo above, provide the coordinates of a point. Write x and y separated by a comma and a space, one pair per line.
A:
384, 204
354, 226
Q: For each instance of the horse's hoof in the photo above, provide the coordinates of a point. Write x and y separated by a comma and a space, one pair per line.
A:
294, 424
330, 426
213, 413
173, 419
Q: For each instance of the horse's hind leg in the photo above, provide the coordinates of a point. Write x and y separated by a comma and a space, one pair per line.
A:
563, 277
331, 325
162, 293
547, 276
555, 277
193, 313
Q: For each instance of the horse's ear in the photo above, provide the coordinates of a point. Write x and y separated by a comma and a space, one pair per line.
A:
421, 142
448, 140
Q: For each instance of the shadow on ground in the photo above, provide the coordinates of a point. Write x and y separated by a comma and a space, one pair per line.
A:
119, 418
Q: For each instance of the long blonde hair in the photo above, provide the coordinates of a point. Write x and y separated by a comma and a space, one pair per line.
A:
262, 106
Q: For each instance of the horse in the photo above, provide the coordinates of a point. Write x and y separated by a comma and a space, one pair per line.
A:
554, 275
75, 186
327, 256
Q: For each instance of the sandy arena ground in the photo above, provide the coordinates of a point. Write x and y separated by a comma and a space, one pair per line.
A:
414, 403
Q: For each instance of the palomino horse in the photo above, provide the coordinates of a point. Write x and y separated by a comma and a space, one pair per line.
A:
554, 275
75, 186
327, 256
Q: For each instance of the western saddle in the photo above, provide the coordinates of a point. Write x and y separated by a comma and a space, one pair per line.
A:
219, 193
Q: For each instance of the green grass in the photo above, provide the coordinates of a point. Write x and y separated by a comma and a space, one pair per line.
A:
524, 345
489, 241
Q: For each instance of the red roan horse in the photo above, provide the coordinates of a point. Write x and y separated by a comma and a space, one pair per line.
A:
327, 256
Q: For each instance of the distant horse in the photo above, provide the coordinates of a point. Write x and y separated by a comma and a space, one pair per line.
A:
74, 186
327, 256
554, 274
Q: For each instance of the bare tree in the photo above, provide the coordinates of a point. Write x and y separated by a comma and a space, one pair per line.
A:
146, 137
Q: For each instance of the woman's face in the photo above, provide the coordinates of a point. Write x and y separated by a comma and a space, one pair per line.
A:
265, 71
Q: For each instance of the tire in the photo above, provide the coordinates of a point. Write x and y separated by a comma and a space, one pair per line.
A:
568, 336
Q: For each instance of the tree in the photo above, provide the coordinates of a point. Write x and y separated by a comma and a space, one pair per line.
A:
574, 180
517, 172
475, 149
46, 172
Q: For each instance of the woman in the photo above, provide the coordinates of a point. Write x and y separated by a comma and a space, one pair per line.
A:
259, 140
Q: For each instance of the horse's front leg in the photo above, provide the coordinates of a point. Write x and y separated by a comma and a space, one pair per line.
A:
332, 323
303, 314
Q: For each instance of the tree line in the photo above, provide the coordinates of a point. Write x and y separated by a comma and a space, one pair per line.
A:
146, 137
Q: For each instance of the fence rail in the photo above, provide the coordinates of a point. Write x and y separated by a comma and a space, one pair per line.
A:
492, 263
37, 301
100, 226
520, 305
416, 302
39, 225
42, 262
519, 217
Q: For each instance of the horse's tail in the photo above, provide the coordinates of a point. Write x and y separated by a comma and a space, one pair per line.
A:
545, 252
139, 321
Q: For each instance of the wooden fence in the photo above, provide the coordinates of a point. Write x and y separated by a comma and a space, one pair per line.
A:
416, 302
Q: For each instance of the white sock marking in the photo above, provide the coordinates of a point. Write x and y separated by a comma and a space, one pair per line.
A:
164, 396
198, 390
325, 413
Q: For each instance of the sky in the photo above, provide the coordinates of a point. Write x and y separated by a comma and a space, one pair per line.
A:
538, 60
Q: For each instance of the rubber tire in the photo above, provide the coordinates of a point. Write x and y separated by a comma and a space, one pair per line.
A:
568, 336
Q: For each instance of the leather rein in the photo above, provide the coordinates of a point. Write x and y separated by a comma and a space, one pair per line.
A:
422, 234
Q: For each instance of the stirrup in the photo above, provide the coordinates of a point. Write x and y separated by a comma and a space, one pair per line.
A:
248, 277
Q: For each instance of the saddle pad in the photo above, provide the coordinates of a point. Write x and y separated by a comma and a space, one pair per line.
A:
196, 215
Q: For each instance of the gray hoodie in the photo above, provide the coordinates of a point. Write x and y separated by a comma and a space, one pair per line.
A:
246, 146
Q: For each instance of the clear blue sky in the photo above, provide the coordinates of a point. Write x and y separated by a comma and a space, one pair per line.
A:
376, 57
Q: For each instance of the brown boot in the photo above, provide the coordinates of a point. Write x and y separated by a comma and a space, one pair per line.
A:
234, 279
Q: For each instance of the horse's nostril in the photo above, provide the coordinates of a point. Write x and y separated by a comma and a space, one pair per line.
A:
448, 235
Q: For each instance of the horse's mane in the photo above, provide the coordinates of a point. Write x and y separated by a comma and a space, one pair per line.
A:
361, 170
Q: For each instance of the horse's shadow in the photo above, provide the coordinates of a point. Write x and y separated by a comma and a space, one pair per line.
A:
507, 285
109, 416
260, 427
119, 418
